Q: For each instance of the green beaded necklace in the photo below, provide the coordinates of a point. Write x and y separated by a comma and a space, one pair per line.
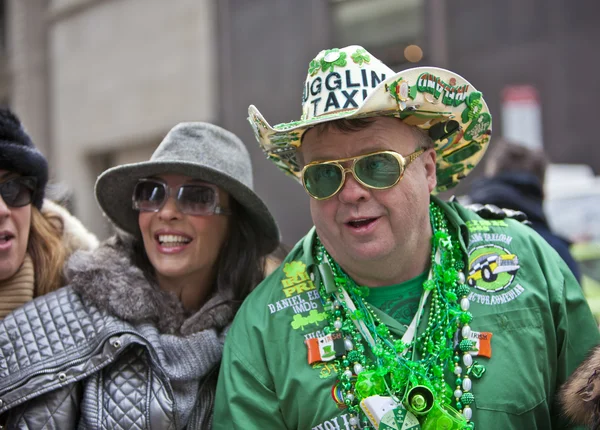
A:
390, 366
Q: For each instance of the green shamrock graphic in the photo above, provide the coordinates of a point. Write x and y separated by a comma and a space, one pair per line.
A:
315, 317
299, 322
361, 56
474, 107
294, 268
313, 67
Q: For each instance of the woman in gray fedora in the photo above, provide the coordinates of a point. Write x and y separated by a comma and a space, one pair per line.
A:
135, 340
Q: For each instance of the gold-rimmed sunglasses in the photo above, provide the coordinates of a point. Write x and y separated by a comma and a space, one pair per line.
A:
377, 170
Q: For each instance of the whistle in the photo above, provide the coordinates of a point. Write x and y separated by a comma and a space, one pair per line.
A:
419, 400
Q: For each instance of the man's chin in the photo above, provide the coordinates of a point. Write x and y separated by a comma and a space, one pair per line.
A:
366, 253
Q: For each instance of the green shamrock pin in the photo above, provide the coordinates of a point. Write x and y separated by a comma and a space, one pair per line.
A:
332, 58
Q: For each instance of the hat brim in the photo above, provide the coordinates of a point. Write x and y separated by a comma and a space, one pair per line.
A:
114, 191
456, 156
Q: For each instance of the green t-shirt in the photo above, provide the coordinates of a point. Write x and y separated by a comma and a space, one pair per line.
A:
399, 301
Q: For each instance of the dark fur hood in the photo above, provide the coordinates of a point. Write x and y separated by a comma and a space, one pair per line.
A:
580, 395
108, 279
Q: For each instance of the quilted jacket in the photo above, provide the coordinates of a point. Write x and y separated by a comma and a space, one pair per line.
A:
110, 351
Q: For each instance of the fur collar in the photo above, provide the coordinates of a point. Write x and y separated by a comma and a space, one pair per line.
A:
107, 279
74, 235
580, 395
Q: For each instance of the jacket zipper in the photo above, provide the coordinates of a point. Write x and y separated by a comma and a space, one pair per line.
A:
71, 363
101, 344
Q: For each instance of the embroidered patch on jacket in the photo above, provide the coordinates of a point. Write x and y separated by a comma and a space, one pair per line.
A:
492, 270
297, 280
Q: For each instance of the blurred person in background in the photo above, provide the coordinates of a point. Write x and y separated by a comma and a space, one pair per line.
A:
36, 235
514, 179
136, 338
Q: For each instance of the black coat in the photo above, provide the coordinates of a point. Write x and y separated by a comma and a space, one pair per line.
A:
522, 191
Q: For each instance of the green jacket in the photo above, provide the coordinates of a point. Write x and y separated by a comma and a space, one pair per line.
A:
522, 293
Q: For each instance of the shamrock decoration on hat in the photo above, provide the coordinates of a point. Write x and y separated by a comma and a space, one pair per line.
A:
351, 83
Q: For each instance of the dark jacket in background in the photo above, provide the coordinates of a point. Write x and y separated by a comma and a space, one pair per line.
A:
522, 191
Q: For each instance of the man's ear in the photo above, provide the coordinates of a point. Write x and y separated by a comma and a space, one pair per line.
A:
429, 159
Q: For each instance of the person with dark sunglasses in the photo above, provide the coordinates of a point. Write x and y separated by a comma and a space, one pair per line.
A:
399, 310
33, 242
138, 333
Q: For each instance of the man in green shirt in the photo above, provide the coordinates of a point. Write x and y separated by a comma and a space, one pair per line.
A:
397, 310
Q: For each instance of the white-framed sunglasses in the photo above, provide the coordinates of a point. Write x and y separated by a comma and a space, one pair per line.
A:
150, 195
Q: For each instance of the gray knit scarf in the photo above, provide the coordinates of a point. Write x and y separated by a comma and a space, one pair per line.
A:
188, 347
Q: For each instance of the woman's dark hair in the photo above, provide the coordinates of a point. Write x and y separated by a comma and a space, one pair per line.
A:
240, 264
241, 261
46, 250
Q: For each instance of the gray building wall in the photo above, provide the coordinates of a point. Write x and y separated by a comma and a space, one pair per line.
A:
265, 48
27, 68
122, 74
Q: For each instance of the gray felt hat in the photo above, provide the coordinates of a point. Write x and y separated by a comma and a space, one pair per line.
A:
201, 151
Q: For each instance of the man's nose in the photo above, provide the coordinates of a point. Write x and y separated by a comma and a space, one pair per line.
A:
353, 191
